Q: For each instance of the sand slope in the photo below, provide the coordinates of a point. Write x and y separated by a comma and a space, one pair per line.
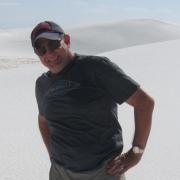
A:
94, 39
154, 66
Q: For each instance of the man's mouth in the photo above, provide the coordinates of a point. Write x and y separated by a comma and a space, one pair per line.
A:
55, 62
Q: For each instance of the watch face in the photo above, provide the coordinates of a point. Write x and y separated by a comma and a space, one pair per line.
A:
137, 150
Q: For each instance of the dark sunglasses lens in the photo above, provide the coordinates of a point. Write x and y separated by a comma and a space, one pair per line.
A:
41, 51
53, 44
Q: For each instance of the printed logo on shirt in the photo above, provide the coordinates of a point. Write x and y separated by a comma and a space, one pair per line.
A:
62, 87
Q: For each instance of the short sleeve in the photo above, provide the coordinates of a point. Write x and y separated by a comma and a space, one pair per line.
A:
111, 78
39, 95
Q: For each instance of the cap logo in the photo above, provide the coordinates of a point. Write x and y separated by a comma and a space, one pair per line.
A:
41, 28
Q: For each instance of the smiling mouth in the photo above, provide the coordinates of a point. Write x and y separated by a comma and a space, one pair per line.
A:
57, 61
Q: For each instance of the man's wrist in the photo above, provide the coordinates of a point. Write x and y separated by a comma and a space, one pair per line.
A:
137, 149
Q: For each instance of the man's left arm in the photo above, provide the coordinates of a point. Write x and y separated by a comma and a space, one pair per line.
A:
143, 106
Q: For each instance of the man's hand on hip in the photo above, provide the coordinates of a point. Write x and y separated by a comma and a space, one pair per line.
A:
120, 164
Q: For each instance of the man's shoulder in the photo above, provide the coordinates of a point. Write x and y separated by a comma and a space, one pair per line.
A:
92, 60
42, 78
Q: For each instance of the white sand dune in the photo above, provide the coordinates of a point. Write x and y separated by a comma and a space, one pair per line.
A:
94, 39
154, 66
106, 37
15, 43
16, 47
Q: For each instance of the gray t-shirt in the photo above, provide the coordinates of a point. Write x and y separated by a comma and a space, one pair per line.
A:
80, 105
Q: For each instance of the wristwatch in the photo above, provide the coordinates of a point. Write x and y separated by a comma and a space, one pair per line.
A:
137, 150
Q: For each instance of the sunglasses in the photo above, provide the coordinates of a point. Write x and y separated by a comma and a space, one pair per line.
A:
50, 46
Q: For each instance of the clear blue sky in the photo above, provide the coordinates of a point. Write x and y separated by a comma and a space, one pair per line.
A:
72, 13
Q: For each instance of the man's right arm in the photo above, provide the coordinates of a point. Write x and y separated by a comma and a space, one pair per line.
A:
44, 130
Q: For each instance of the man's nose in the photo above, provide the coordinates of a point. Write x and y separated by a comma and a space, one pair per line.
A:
49, 55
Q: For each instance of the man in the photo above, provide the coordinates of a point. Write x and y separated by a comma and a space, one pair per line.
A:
77, 100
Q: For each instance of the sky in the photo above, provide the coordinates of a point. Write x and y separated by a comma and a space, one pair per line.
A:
74, 13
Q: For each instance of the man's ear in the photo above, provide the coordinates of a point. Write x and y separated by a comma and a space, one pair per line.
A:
67, 39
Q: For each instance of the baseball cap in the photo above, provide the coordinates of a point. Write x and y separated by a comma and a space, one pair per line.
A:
47, 29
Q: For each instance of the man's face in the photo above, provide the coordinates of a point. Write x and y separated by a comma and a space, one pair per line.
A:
52, 53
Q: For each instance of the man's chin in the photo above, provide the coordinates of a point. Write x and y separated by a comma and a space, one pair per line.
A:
55, 64
55, 68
